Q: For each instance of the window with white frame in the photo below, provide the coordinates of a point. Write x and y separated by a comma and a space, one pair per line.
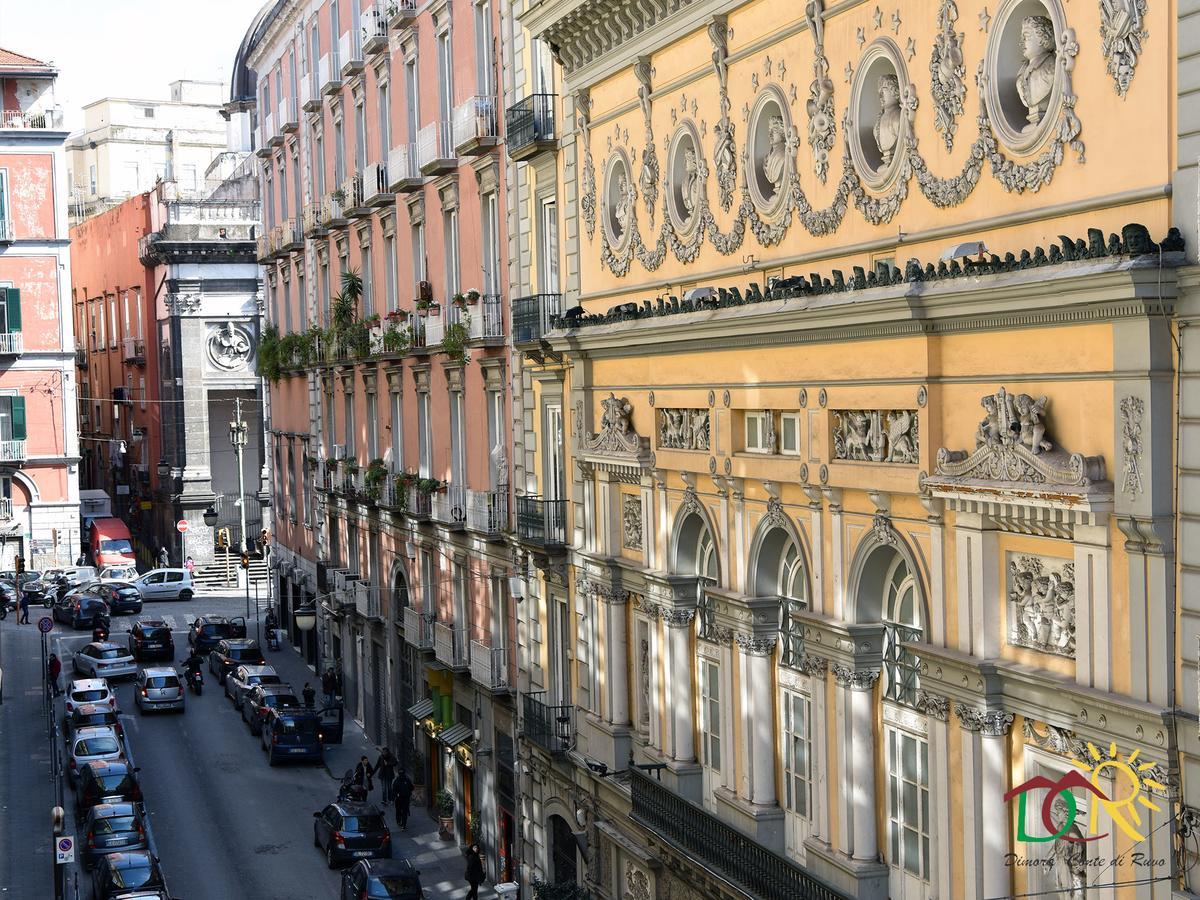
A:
339, 155
330, 420
901, 625
5, 214
908, 803
389, 272
428, 583
496, 433
797, 753
368, 282
757, 429
450, 237
789, 434
548, 246
397, 418
711, 747
114, 335
424, 437
283, 189
360, 139
445, 77
412, 98
323, 288
293, 494
372, 427
458, 443
385, 120
484, 61
491, 244
319, 163
306, 487
302, 299
286, 300
348, 419
418, 253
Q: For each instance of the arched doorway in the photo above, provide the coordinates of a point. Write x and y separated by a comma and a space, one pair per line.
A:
563, 852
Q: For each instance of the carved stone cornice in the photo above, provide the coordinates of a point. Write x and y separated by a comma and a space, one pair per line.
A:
675, 617
755, 645
933, 705
849, 645
1063, 742
855, 679
616, 438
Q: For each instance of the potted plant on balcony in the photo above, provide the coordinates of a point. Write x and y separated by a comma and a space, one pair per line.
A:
373, 479
338, 195
445, 810
454, 341
459, 300
473, 297
430, 486
269, 354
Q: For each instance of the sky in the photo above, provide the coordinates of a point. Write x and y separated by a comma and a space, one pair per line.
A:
126, 48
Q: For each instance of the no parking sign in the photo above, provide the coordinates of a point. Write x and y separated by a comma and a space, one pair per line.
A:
64, 850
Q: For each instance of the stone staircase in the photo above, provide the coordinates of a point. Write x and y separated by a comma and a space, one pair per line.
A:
212, 577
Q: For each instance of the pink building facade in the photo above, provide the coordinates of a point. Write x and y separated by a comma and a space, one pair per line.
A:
378, 131
39, 441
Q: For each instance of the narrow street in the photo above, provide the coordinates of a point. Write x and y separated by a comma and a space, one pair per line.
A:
223, 822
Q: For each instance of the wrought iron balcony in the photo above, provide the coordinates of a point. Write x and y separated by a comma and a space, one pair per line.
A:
377, 190
435, 151
489, 667
483, 319
403, 173
6, 508
550, 727
719, 847
12, 451
374, 30
353, 200
314, 219
12, 343
450, 506
291, 236
332, 211
81, 359
272, 130
542, 523
529, 126
401, 13
487, 512
15, 119
419, 503
475, 127
418, 628
310, 92
450, 645
532, 317
135, 351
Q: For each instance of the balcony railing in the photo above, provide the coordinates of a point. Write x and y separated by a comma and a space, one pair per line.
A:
418, 628
264, 251
274, 132
8, 234
289, 118
291, 236
330, 74
15, 118
450, 645
435, 328
435, 153
450, 506
542, 523
475, 126
332, 212
12, 451
314, 217
12, 343
402, 169
81, 357
377, 191
533, 317
419, 503
6, 508
419, 338
487, 511
484, 319
366, 600
310, 92
529, 126
350, 53
550, 727
375, 30
402, 12
135, 351
718, 846
354, 202
489, 666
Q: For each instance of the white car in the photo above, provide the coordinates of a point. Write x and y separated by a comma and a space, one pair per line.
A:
119, 573
165, 584
243, 678
104, 660
92, 744
94, 691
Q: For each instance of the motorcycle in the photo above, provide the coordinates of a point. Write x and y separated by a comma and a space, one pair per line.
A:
195, 681
350, 790
272, 639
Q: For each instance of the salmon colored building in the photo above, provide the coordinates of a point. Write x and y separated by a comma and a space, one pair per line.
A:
379, 138
39, 446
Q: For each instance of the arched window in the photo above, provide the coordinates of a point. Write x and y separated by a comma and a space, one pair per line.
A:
706, 568
901, 623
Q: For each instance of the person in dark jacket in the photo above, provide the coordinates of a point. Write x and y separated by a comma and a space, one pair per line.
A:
362, 775
385, 771
53, 670
402, 791
474, 873
309, 695
327, 686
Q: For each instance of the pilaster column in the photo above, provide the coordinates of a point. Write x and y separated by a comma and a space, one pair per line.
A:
683, 703
937, 714
617, 653
833, 497
987, 732
757, 695
978, 559
858, 775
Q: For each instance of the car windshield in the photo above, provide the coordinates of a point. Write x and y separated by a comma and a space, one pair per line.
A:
303, 727
128, 591
89, 696
393, 886
94, 719
134, 876
362, 823
162, 681
110, 653
212, 630
115, 783
244, 653
96, 746
116, 546
114, 825
91, 604
280, 700
264, 679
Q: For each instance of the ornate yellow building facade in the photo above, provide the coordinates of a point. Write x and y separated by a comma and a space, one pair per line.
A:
846, 430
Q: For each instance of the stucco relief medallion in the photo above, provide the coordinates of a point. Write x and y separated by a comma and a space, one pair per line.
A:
619, 197
229, 346
1041, 595
686, 175
879, 120
771, 146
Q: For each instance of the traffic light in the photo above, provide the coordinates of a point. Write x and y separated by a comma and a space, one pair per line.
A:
222, 538
245, 560
20, 565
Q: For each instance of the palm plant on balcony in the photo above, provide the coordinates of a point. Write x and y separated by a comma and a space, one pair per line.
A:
373, 479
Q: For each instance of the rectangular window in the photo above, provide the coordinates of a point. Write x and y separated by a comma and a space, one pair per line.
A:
330, 422
92, 180
484, 75
543, 71
418, 253
142, 396
789, 434
797, 753
102, 341
12, 419
491, 244
560, 651
428, 587
302, 299
554, 474
283, 190
360, 139
397, 432
908, 802
306, 488
756, 432
114, 335
339, 155
389, 272
495, 428
5, 215
385, 121
424, 437
548, 247
412, 98
315, 35
458, 445
286, 300
348, 415
372, 428
445, 77
10, 310
293, 494
323, 288
319, 165
450, 237
710, 724
368, 285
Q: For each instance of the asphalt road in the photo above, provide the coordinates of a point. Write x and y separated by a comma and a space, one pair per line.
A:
224, 823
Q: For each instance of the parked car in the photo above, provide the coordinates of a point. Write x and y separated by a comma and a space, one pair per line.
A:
122, 572
92, 744
243, 678
350, 831
292, 734
382, 879
72, 577
151, 639
111, 828
81, 611
93, 692
263, 697
31, 583
121, 596
158, 687
231, 653
104, 660
119, 874
110, 781
166, 584
90, 714
207, 631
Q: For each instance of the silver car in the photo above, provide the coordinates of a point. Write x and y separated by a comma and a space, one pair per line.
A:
104, 660
158, 687
241, 679
92, 744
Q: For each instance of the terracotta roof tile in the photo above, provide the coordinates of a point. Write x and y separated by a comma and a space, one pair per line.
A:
8, 58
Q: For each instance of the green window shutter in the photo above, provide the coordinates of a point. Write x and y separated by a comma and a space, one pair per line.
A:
18, 418
12, 303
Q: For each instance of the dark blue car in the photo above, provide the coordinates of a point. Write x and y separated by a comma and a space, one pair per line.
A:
292, 734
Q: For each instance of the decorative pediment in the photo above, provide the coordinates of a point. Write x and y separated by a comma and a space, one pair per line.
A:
616, 438
1015, 453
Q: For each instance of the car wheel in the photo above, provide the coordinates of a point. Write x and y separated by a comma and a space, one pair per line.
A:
316, 839
329, 857
185, 595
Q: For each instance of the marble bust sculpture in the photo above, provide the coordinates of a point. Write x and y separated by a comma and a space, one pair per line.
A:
887, 123
774, 163
1035, 78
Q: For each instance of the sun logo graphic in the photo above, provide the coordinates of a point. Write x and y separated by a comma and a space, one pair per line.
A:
1131, 783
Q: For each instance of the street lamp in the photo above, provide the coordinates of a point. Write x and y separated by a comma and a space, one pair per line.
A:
210, 517
164, 467
306, 617
237, 438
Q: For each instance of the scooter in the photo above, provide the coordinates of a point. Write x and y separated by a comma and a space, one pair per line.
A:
195, 680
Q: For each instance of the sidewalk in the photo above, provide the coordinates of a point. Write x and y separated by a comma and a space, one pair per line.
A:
441, 863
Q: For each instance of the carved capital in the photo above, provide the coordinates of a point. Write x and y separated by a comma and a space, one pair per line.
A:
753, 645
814, 666
856, 680
992, 723
674, 617
934, 706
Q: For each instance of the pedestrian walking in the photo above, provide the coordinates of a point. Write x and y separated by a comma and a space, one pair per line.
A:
53, 670
164, 558
309, 695
362, 775
402, 791
327, 686
190, 565
385, 770
81, 560
337, 683
474, 873
24, 620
